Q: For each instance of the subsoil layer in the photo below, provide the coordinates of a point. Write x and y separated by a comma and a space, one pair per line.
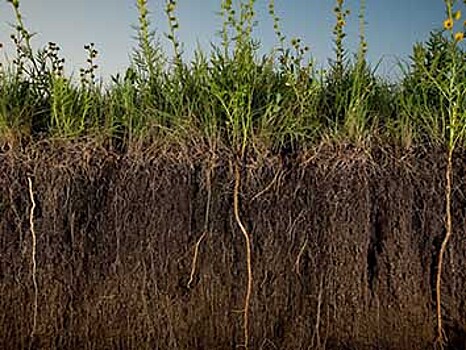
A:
344, 249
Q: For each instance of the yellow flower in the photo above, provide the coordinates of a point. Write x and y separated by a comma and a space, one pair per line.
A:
448, 24
457, 15
170, 7
459, 36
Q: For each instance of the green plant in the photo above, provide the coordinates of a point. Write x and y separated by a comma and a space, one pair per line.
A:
148, 57
350, 99
435, 92
229, 95
173, 26
451, 84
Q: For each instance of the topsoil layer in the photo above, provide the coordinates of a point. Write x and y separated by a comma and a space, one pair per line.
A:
344, 250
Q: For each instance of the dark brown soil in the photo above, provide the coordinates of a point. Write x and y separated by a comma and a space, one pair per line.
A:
344, 249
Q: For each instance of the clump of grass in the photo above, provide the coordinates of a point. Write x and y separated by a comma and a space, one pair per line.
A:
73, 108
229, 95
39, 98
352, 94
26, 84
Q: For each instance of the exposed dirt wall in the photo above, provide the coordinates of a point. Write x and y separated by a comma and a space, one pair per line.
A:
344, 242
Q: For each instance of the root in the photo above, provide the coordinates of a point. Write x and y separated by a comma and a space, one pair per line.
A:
276, 177
247, 241
298, 258
318, 316
449, 231
206, 229
195, 258
34, 263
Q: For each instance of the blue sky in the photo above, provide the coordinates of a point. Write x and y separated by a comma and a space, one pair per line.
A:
393, 26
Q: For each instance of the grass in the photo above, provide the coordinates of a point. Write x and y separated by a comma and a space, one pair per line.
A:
226, 96
230, 97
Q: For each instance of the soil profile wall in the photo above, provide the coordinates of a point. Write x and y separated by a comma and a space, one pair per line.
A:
344, 249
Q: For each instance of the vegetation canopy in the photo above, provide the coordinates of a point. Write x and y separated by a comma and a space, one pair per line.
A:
233, 97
